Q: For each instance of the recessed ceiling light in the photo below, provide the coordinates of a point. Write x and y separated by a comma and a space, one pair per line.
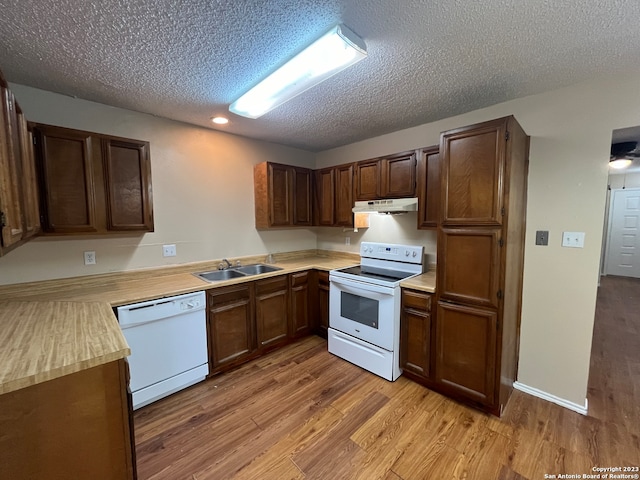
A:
220, 120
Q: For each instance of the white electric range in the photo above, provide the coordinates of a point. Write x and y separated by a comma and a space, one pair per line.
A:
364, 306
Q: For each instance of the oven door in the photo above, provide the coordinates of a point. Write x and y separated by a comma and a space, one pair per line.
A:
365, 311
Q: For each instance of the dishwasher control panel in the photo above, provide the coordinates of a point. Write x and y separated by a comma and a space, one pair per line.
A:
191, 304
131, 315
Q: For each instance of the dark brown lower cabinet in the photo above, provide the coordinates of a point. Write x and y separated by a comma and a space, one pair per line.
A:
272, 312
415, 334
231, 326
250, 319
300, 318
75, 426
323, 303
465, 351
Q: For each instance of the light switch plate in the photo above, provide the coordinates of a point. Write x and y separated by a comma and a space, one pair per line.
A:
542, 237
168, 250
573, 239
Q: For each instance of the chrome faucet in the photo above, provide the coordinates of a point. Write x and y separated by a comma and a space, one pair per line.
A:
222, 265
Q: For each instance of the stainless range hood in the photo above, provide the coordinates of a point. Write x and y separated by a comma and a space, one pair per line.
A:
393, 205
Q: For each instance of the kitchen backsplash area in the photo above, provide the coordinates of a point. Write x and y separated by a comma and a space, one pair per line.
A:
400, 229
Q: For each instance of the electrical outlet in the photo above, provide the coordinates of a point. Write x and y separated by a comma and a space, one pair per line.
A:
573, 239
347, 240
168, 250
89, 258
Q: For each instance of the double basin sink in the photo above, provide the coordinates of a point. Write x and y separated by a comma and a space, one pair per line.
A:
236, 272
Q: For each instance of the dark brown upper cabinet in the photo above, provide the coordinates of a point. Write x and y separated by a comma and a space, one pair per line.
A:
334, 196
324, 194
428, 186
128, 183
344, 195
472, 175
283, 195
29, 179
393, 176
19, 211
367, 180
398, 175
11, 204
92, 183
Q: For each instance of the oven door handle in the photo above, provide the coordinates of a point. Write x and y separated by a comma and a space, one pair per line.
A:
351, 285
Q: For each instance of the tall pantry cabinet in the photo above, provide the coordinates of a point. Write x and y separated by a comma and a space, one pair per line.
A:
480, 261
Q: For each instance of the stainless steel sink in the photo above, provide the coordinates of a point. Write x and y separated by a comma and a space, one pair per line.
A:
219, 275
236, 272
257, 269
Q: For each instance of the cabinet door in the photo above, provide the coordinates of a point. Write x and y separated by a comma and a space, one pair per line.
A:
428, 185
466, 351
279, 195
473, 168
302, 201
469, 265
344, 195
398, 175
300, 307
272, 311
74, 426
367, 178
11, 216
415, 333
230, 317
29, 179
68, 172
323, 303
325, 197
128, 185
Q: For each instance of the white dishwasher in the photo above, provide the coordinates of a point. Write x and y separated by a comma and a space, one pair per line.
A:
168, 341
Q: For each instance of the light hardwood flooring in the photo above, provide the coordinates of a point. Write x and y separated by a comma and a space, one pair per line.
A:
301, 413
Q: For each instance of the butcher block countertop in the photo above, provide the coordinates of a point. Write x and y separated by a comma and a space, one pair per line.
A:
425, 282
45, 340
57, 327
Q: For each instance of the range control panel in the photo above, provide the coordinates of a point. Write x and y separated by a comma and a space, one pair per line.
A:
390, 251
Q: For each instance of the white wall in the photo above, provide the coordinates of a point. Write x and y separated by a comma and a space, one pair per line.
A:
570, 133
383, 228
202, 195
621, 180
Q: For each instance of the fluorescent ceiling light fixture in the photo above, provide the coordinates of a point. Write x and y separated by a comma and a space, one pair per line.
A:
334, 51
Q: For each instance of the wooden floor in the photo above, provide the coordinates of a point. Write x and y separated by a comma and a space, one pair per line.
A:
301, 413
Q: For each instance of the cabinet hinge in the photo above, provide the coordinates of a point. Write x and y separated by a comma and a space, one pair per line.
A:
502, 211
507, 135
501, 242
3, 220
35, 141
499, 294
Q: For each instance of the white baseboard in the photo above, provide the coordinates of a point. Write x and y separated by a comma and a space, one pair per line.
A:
582, 409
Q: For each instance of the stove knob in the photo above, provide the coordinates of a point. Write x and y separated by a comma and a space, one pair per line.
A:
415, 254
406, 253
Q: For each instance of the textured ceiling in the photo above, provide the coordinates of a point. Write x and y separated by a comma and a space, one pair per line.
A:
188, 60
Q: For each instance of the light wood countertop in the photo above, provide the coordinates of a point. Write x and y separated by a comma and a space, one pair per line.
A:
46, 340
57, 327
425, 282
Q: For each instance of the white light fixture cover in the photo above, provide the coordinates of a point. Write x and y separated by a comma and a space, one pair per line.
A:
620, 162
334, 51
